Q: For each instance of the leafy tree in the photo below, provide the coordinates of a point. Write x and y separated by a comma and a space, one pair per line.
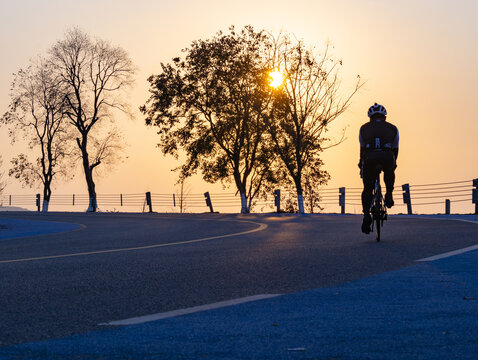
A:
95, 74
37, 112
305, 105
212, 104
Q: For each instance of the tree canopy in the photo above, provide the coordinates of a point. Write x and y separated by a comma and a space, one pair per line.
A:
212, 105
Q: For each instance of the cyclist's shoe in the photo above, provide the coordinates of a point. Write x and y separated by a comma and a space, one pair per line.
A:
389, 200
367, 221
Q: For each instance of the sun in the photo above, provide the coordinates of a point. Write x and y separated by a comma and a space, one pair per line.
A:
276, 78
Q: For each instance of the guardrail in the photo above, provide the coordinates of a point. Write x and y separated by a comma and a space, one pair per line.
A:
449, 192
419, 195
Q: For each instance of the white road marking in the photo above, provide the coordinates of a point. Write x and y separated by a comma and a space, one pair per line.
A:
449, 254
191, 310
467, 221
259, 228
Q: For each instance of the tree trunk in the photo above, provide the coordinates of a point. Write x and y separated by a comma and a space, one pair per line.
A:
46, 195
300, 203
92, 207
45, 205
242, 191
300, 197
91, 190
244, 208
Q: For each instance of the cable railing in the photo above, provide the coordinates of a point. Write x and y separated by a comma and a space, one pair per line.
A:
445, 193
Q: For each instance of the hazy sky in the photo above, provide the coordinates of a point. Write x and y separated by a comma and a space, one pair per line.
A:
418, 57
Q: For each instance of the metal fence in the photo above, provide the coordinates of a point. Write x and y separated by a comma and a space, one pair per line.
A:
432, 194
412, 196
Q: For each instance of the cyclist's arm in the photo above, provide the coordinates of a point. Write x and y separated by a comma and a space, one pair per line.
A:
395, 145
362, 149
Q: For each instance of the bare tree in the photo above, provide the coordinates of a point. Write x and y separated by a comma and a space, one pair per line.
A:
108, 149
95, 73
3, 184
184, 190
37, 111
306, 104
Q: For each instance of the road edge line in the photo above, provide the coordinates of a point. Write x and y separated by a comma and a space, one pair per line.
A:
454, 252
261, 227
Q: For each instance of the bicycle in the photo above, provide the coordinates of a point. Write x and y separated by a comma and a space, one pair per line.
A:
378, 208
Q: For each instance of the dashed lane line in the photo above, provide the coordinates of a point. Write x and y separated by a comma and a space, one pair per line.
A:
191, 310
261, 227
449, 254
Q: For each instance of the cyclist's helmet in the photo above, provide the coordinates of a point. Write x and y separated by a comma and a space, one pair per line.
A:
377, 109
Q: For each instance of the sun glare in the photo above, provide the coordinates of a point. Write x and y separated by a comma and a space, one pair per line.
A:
276, 78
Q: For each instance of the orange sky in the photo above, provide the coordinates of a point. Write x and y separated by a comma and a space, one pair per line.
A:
418, 58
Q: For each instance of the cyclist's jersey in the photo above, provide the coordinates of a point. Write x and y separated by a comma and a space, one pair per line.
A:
378, 135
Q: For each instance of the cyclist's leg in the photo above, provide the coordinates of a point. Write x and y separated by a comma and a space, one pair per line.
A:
368, 178
389, 178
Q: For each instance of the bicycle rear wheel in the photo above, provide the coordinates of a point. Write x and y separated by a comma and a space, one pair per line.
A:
378, 226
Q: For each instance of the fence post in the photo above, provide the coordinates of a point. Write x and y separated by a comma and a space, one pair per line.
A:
208, 201
174, 200
447, 206
406, 198
73, 199
10, 200
38, 202
277, 199
149, 202
342, 200
475, 195
121, 199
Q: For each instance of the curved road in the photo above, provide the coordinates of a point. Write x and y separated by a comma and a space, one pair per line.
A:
119, 266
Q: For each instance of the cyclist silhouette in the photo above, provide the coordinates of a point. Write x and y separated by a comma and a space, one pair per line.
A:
378, 149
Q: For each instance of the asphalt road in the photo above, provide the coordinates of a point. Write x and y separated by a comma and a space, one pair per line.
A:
118, 266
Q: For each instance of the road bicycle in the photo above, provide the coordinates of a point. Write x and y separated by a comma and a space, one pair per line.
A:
378, 208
